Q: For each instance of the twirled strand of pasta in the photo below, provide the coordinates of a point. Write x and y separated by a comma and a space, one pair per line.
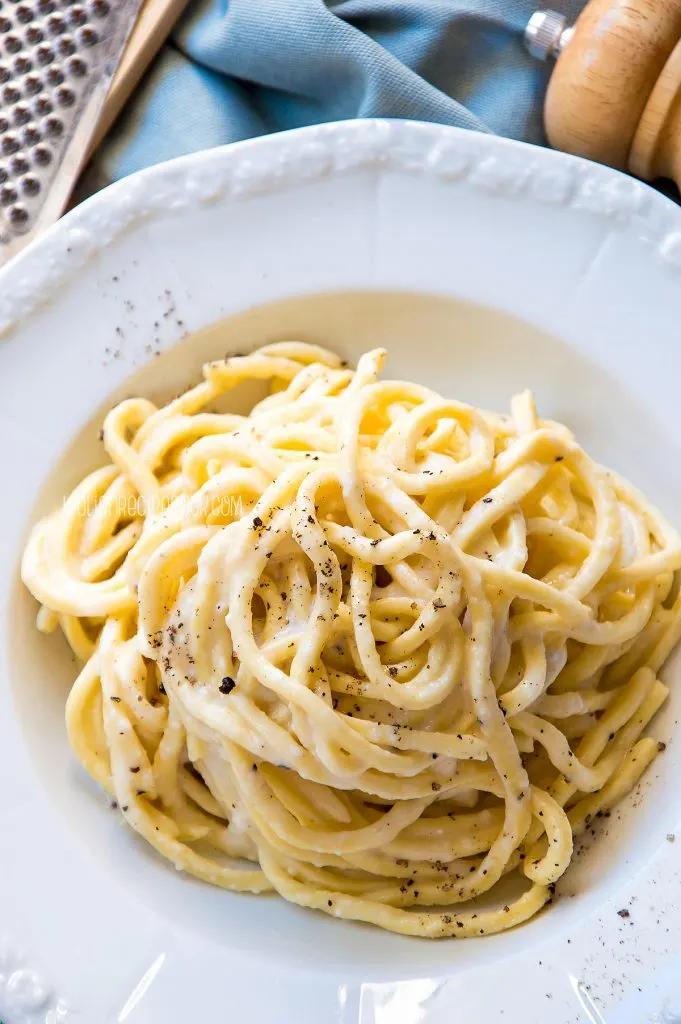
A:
384, 646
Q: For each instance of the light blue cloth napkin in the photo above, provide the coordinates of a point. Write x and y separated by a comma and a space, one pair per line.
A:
240, 68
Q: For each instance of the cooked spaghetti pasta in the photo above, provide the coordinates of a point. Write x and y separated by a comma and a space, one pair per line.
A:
366, 646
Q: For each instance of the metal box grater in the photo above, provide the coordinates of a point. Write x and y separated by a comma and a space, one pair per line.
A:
57, 59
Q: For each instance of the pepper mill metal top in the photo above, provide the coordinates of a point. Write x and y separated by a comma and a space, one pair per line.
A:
547, 34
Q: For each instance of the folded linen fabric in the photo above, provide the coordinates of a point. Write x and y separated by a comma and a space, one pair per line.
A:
234, 69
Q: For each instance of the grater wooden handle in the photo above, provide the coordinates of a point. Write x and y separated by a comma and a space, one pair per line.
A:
615, 92
152, 28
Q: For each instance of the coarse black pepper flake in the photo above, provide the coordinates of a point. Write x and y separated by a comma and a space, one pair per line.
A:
257, 522
135, 769
488, 500
623, 913
116, 700
227, 685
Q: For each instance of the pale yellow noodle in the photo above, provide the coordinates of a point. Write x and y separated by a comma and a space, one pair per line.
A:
385, 646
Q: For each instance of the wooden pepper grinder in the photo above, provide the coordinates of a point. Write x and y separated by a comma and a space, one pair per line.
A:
615, 93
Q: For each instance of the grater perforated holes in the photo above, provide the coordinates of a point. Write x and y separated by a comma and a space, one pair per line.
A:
77, 67
66, 97
8, 195
4, 124
12, 44
10, 94
42, 106
5, 24
3, 175
18, 217
88, 37
9, 144
45, 6
42, 156
66, 46
45, 55
77, 16
30, 186
19, 165
24, 14
56, 23
32, 85
34, 35
54, 76
32, 136
100, 8
21, 116
53, 127
22, 65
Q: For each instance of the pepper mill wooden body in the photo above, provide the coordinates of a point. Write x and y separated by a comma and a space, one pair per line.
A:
615, 92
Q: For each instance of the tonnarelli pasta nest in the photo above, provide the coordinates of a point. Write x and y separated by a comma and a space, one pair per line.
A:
384, 646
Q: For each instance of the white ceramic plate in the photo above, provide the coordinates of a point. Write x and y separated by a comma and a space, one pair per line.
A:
483, 266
